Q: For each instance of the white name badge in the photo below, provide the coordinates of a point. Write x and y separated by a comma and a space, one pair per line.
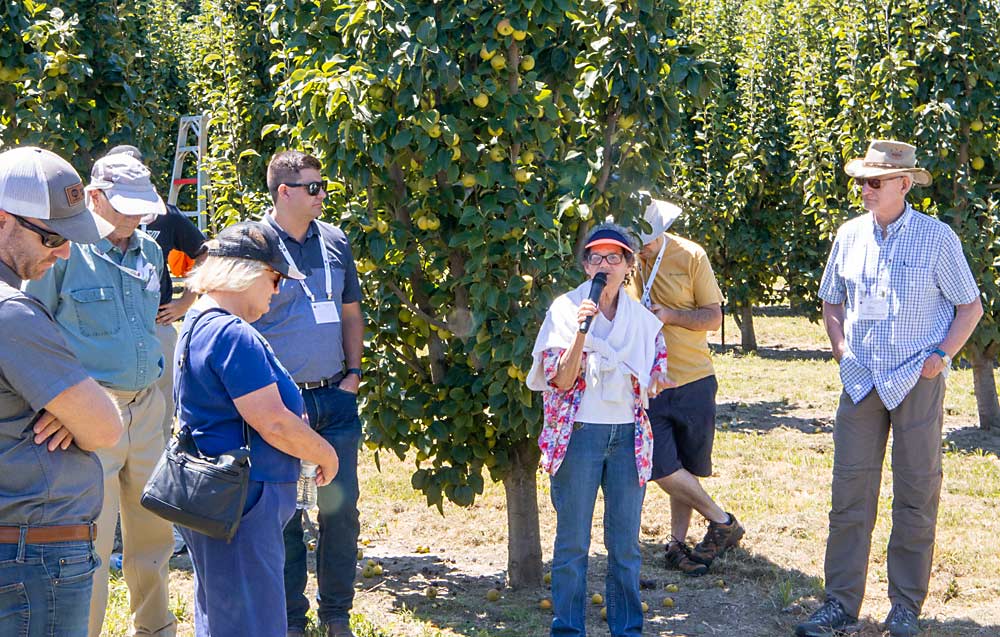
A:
873, 308
325, 312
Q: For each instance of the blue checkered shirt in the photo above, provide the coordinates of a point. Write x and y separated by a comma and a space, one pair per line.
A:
923, 274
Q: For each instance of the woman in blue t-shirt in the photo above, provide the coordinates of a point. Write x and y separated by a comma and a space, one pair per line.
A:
231, 376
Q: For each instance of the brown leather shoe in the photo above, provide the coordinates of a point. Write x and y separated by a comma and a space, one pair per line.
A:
719, 538
678, 556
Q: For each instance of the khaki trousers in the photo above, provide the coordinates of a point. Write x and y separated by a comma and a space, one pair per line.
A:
859, 439
147, 539
167, 335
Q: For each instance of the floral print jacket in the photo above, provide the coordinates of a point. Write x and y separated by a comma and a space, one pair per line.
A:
560, 408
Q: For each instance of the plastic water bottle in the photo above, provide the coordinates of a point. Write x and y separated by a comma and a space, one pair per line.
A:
115, 563
306, 496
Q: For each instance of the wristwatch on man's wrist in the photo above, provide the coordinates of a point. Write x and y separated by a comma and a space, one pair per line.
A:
944, 356
354, 370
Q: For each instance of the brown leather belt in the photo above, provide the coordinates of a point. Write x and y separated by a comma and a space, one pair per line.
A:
49, 534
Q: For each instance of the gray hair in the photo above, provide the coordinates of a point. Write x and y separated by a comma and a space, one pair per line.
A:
622, 230
224, 274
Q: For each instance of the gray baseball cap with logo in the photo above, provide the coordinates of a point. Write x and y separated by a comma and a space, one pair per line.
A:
38, 184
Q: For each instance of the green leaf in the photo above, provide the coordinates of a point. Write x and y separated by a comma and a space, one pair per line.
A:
402, 139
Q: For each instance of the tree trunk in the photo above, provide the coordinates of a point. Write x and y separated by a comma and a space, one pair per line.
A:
524, 544
986, 389
748, 338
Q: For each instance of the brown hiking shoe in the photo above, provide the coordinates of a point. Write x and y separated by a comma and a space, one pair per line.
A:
678, 556
718, 539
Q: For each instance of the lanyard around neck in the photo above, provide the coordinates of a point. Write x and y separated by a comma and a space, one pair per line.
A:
143, 271
326, 267
646, 300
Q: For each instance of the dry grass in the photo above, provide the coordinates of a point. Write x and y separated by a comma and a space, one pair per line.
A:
773, 459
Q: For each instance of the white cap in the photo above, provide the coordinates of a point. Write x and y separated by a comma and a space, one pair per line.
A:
660, 215
125, 181
39, 184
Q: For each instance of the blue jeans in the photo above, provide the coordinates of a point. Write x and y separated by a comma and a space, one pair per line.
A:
45, 588
236, 583
333, 413
598, 456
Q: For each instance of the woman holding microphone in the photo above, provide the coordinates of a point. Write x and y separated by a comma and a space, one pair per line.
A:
598, 357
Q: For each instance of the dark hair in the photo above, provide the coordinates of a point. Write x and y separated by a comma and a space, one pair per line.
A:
285, 167
628, 236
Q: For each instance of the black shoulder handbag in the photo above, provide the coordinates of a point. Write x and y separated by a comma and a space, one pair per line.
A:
189, 488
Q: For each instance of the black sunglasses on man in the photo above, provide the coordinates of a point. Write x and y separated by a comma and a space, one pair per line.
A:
313, 187
49, 239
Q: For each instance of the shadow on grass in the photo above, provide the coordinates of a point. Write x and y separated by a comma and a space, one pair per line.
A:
767, 415
973, 440
431, 589
777, 353
743, 594
957, 628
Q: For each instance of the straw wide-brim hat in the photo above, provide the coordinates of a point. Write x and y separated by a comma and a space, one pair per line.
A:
887, 158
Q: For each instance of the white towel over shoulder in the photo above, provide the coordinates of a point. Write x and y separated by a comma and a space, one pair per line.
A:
630, 346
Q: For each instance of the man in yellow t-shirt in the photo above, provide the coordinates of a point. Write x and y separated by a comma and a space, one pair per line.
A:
673, 277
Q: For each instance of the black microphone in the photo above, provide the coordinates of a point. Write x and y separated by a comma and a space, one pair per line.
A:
596, 287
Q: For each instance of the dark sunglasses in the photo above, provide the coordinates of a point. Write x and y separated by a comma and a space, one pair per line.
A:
313, 187
873, 182
49, 239
613, 259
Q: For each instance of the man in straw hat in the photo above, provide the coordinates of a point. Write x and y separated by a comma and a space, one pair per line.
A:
899, 301
675, 280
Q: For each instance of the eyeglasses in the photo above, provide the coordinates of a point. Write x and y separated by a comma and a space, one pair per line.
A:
614, 258
49, 239
873, 182
313, 187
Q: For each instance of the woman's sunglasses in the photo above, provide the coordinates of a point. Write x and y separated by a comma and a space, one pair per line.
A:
49, 239
313, 187
873, 182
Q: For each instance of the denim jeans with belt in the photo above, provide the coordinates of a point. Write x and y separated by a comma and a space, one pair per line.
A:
45, 588
333, 413
598, 456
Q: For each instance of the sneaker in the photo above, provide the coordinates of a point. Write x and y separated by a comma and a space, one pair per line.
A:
719, 538
678, 556
828, 619
902, 622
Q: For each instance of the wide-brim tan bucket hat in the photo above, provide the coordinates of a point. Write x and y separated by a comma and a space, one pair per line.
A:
886, 158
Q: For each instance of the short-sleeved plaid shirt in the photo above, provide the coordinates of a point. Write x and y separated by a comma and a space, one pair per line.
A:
920, 267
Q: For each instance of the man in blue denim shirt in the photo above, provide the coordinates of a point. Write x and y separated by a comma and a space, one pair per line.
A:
899, 301
51, 495
105, 298
315, 327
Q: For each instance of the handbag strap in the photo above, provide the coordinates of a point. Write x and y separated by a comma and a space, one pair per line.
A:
184, 363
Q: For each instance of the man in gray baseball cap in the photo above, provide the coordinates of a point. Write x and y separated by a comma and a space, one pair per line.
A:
52, 414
